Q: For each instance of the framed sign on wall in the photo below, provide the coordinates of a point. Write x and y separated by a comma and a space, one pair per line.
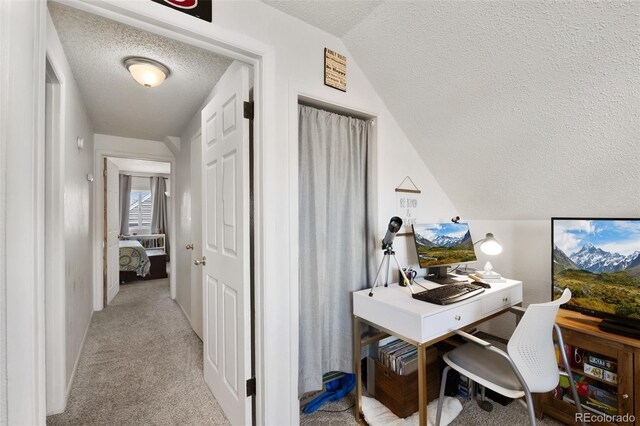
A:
335, 70
201, 9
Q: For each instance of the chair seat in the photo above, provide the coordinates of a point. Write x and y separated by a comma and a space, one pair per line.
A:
486, 368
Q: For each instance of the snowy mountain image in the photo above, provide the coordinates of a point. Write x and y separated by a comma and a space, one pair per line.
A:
447, 241
599, 260
443, 244
594, 259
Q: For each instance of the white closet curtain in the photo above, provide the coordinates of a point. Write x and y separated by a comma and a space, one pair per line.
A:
336, 244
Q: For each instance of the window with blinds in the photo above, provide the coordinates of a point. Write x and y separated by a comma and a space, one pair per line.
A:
140, 209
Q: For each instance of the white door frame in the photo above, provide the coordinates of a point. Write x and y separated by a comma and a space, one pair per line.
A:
55, 291
98, 219
23, 31
297, 93
22, 119
196, 314
262, 58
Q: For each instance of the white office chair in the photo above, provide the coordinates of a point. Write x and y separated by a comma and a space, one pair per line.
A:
527, 364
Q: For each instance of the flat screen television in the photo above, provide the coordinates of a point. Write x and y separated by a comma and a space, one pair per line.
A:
599, 261
440, 245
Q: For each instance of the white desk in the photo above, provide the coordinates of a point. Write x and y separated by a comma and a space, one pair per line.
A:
393, 311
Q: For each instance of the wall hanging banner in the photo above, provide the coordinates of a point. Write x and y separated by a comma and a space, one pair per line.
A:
407, 194
199, 8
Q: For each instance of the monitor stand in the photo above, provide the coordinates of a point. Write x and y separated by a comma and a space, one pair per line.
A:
439, 275
620, 327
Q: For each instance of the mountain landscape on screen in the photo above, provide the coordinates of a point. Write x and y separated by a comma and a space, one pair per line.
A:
600, 262
443, 244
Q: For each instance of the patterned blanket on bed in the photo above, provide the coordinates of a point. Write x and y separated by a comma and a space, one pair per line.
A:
133, 257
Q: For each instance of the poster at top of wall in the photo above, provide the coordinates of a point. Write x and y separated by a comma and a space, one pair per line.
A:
335, 70
201, 9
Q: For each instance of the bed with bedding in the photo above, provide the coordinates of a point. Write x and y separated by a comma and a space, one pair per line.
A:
134, 260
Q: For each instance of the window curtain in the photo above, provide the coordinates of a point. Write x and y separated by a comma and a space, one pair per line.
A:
159, 210
125, 203
337, 253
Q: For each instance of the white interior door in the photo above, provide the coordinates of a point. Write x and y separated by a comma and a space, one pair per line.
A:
112, 209
225, 207
196, 234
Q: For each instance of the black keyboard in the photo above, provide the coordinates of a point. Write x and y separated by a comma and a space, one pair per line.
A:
449, 293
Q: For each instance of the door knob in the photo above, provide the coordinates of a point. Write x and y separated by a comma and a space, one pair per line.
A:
189, 246
202, 261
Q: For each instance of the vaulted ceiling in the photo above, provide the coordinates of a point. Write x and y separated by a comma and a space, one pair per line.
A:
520, 109
95, 48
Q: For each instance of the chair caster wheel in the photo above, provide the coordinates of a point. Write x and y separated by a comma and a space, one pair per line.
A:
486, 406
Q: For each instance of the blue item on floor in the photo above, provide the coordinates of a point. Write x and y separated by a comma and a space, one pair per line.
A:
336, 389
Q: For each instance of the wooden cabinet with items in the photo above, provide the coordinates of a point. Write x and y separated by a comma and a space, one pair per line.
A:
399, 392
606, 368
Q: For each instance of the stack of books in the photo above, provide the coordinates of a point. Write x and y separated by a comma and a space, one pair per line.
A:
596, 397
399, 356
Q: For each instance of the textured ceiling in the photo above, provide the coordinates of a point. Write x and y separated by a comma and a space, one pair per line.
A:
116, 104
335, 16
142, 166
520, 109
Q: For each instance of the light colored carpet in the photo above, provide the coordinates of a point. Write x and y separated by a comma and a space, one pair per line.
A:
141, 364
514, 414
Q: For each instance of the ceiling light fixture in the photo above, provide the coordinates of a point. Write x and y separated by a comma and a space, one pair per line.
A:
146, 71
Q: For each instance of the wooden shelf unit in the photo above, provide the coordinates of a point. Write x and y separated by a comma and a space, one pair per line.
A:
582, 331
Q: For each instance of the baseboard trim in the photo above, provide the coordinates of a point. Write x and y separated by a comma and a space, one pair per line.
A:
75, 364
184, 312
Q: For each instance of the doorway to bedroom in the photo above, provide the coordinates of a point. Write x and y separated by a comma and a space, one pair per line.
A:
137, 214
201, 123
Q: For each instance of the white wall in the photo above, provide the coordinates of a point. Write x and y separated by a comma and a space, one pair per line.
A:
78, 201
526, 256
189, 286
121, 145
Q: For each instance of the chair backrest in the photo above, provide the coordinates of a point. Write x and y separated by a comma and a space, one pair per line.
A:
531, 345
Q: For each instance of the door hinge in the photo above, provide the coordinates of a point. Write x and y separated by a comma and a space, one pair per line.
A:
248, 110
251, 387
104, 172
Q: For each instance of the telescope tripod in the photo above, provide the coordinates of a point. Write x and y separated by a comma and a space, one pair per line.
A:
388, 254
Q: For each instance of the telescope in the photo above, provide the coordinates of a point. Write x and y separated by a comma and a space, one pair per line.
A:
387, 245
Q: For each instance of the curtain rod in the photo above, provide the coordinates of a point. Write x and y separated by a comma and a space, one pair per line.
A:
150, 175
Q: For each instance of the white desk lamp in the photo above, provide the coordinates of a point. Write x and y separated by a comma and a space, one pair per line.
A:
491, 247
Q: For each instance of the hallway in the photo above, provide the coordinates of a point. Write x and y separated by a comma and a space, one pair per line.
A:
141, 364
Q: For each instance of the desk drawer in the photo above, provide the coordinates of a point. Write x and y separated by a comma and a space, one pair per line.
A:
497, 301
451, 319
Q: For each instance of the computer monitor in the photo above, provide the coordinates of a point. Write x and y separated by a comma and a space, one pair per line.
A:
440, 245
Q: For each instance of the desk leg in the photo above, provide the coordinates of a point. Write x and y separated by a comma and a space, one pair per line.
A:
422, 384
357, 350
